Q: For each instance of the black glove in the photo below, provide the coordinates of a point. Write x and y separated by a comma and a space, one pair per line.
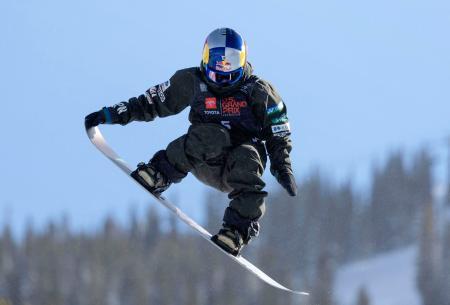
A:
94, 119
287, 180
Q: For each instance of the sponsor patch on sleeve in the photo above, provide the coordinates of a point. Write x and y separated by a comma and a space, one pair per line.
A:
120, 107
279, 119
161, 90
153, 92
282, 128
275, 109
148, 97
164, 86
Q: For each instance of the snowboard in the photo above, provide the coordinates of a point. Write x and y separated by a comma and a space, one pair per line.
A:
100, 143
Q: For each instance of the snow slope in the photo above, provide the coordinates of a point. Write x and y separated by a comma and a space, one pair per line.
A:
388, 278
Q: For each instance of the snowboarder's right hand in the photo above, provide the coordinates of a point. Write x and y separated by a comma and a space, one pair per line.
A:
94, 119
287, 181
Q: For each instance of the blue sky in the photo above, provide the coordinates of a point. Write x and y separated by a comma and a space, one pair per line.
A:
360, 78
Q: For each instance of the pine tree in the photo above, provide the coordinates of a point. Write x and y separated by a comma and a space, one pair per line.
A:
322, 292
310, 215
152, 229
388, 204
12, 280
419, 190
398, 195
427, 260
215, 205
448, 174
363, 297
339, 221
135, 230
445, 268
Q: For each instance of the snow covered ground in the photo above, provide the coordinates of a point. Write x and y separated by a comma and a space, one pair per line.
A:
388, 278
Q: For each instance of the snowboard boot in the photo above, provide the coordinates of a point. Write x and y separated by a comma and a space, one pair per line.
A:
229, 240
236, 232
150, 178
158, 174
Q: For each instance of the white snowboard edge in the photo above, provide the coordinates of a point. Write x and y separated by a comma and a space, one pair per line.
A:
100, 143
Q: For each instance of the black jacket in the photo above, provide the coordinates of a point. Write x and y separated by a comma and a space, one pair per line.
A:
252, 110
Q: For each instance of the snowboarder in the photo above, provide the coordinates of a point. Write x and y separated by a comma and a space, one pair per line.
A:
237, 120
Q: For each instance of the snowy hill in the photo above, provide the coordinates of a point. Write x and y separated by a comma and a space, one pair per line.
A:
388, 278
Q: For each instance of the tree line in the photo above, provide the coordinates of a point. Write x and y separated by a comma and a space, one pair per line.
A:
302, 243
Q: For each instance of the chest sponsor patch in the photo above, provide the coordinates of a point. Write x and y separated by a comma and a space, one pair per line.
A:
232, 107
281, 128
210, 103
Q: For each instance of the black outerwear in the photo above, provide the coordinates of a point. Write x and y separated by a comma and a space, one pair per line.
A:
232, 130
251, 112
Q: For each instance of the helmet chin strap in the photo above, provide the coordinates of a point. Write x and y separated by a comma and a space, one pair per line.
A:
224, 78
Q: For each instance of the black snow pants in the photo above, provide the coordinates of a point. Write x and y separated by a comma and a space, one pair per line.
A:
207, 152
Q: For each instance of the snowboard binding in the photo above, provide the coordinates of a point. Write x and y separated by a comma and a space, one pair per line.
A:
229, 240
150, 178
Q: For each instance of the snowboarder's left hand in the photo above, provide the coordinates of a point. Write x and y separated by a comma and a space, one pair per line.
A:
94, 119
287, 180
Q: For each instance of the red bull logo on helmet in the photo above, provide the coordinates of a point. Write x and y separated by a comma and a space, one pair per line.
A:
224, 56
223, 65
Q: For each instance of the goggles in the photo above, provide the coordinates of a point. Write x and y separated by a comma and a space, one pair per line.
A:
224, 78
